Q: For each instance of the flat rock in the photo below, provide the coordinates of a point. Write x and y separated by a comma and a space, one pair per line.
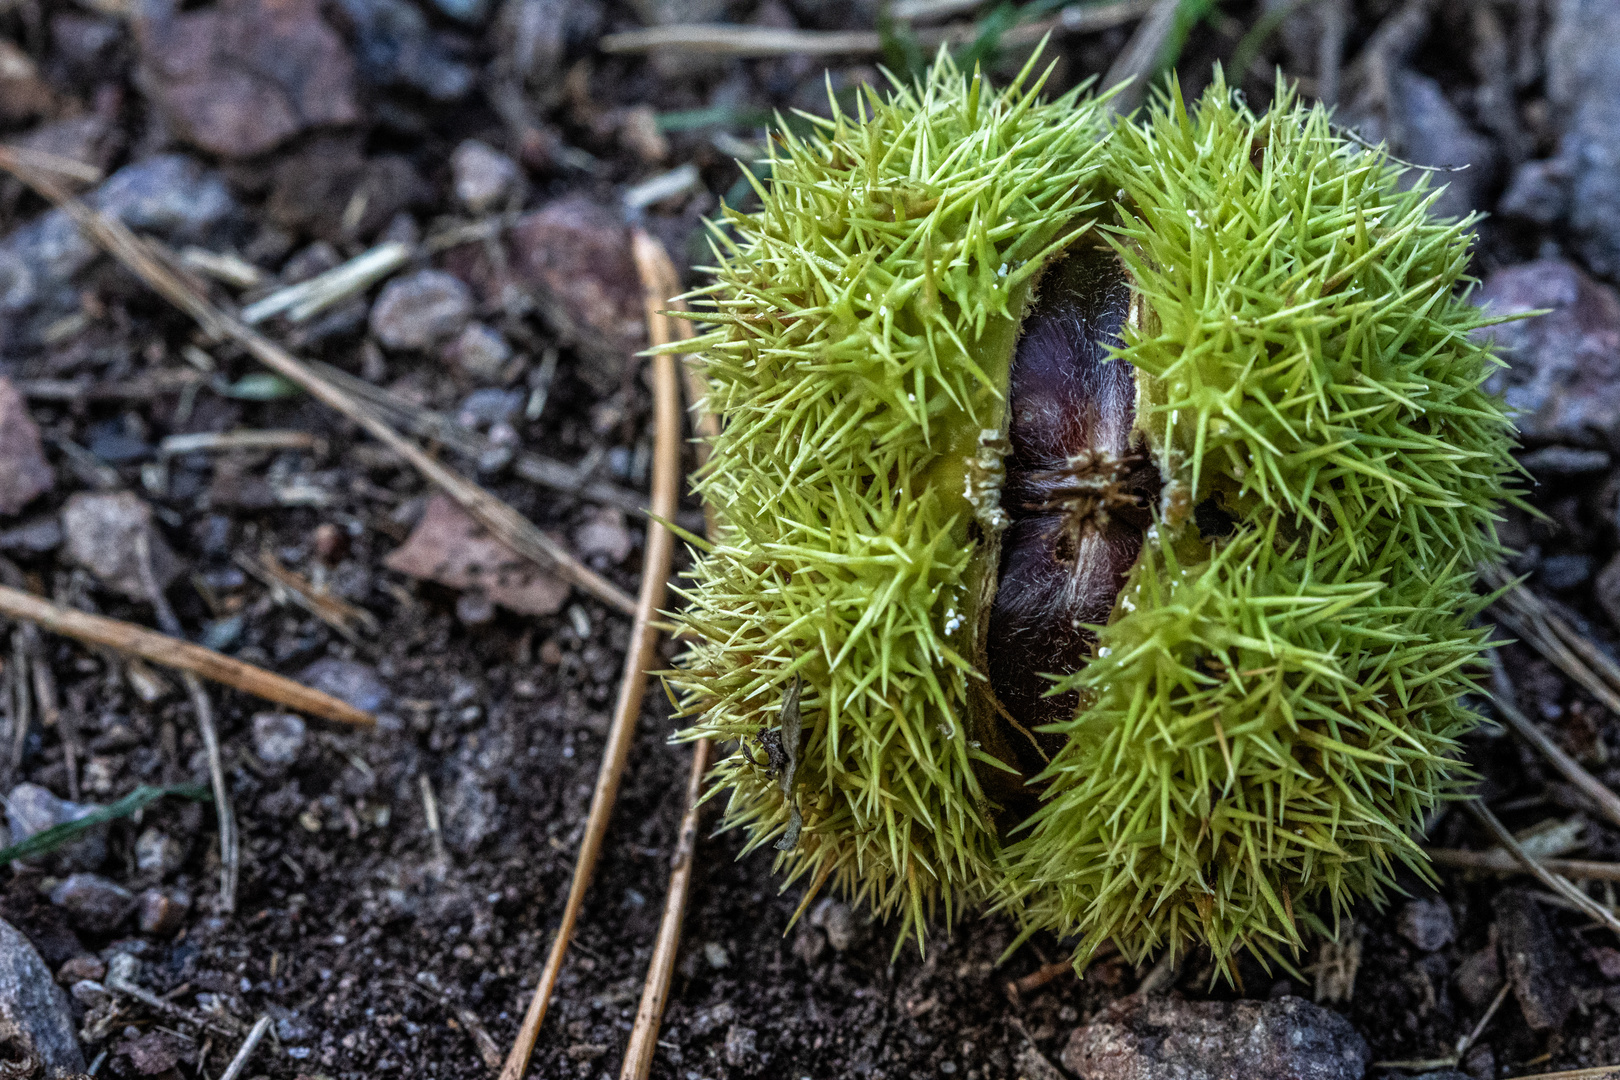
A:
1162, 1038
94, 904
36, 1021
241, 77
347, 680
421, 309
24, 472
1424, 128
1583, 84
31, 809
482, 176
90, 138
1533, 961
574, 255
451, 548
1563, 374
102, 529
153, 1052
1427, 924
170, 196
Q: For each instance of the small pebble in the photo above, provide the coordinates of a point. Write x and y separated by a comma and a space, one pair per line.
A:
31, 809
78, 968
475, 608
1427, 924
330, 543
490, 406
158, 853
837, 921
483, 176
347, 680
102, 530
95, 904
163, 913
278, 737
480, 351
418, 310
605, 535
740, 1045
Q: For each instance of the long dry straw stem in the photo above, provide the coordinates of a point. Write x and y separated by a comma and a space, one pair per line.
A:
638, 662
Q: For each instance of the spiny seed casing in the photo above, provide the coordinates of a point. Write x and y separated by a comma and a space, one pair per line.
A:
1229, 520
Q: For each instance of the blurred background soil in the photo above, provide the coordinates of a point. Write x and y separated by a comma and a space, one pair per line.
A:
506, 147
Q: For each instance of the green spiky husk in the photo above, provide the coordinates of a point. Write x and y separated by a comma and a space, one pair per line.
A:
866, 320
1269, 714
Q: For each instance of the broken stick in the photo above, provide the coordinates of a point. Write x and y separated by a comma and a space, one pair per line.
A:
181, 655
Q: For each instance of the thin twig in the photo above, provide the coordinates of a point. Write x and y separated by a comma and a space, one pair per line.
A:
238, 1063
50, 715
309, 298
202, 442
230, 858
430, 814
233, 270
143, 387
1504, 701
66, 167
1552, 635
21, 698
1559, 885
660, 282
638, 1054
730, 39
1472, 1037
121, 979
148, 261
640, 657
181, 655
1498, 861
1017, 988
913, 11
342, 616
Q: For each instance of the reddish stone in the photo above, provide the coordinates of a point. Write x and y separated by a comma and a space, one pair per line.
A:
24, 472
451, 548
575, 255
242, 77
